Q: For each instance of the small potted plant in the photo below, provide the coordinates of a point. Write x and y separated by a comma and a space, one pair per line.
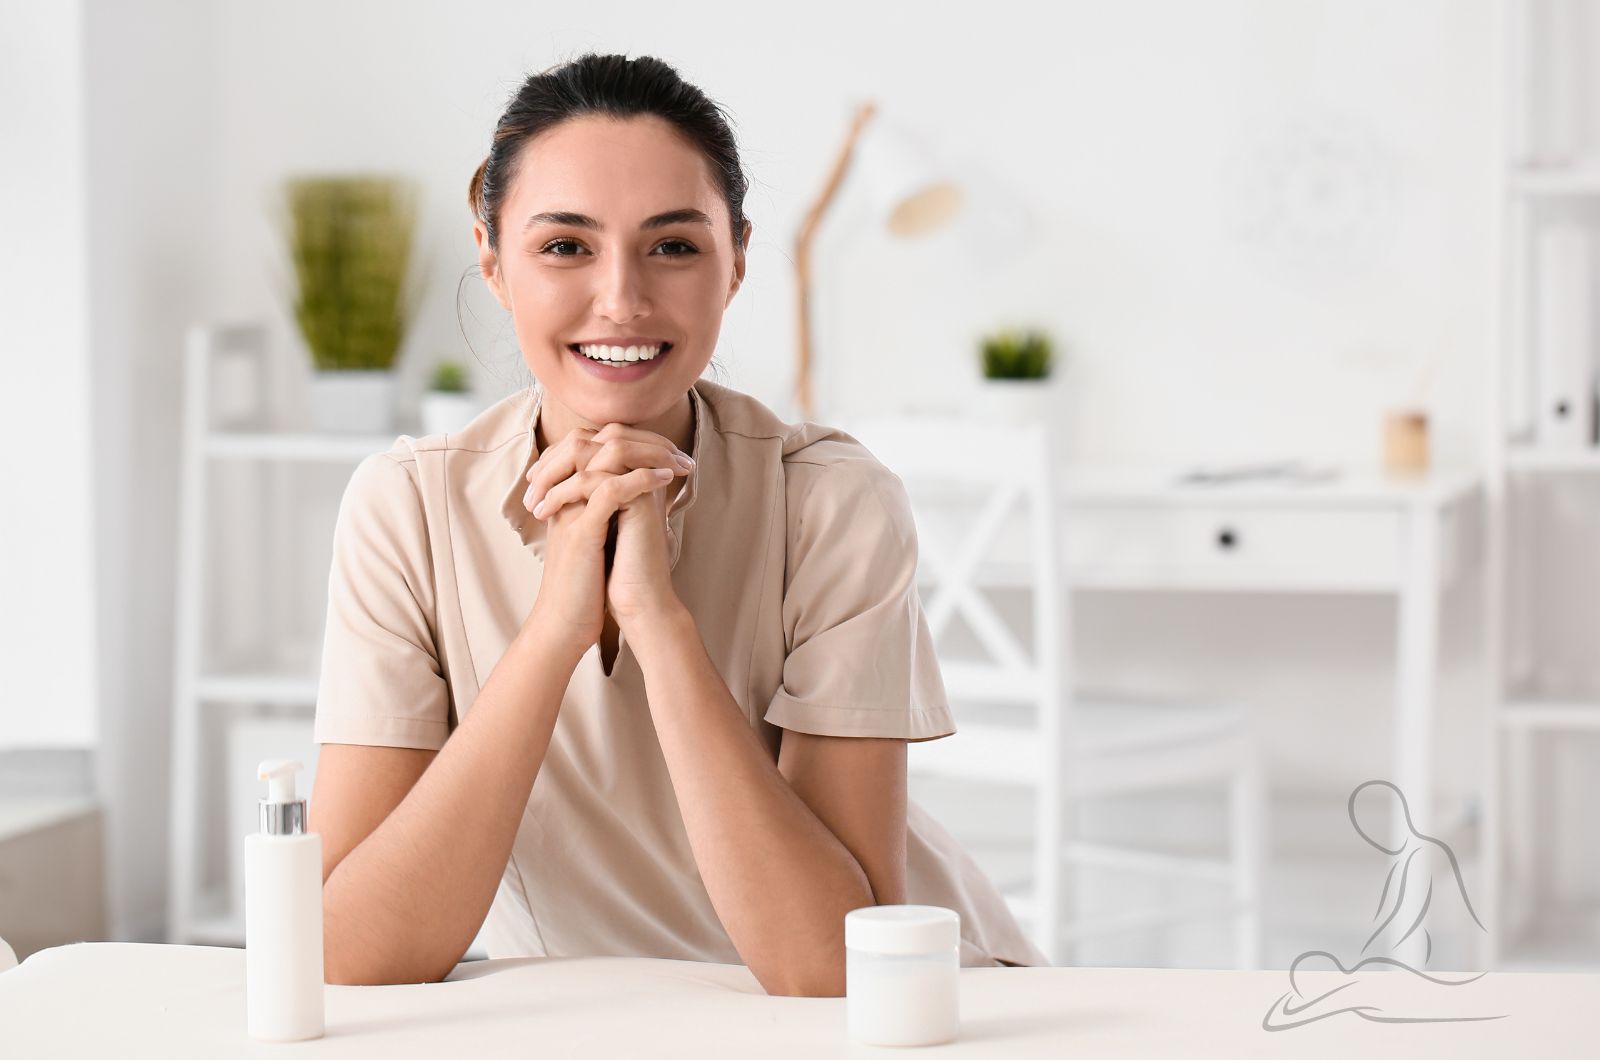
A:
1017, 380
449, 404
350, 241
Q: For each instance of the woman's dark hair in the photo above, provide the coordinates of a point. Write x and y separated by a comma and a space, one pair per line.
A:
617, 87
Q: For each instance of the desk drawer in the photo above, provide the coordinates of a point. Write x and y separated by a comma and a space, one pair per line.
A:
1232, 545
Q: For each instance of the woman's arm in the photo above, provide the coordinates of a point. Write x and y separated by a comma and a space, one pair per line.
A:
404, 903
780, 879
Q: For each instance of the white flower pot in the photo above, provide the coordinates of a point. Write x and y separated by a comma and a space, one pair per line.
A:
1014, 400
353, 402
445, 412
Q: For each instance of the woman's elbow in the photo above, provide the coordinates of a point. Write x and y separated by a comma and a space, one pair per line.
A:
821, 982
338, 970
375, 977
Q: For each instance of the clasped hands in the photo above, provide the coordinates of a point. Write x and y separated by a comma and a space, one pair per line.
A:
580, 487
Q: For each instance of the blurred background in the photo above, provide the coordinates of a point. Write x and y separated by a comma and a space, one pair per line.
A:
1305, 290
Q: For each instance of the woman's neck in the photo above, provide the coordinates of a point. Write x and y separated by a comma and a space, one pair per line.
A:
556, 421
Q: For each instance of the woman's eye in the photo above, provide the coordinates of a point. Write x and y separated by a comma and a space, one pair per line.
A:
558, 243
685, 248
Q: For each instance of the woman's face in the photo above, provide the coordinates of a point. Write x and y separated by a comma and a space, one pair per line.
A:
587, 256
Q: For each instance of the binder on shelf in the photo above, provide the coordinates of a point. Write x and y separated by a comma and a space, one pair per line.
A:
1564, 336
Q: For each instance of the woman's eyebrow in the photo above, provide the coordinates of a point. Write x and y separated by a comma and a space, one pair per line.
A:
580, 220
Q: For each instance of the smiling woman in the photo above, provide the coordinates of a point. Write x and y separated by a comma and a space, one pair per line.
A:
712, 680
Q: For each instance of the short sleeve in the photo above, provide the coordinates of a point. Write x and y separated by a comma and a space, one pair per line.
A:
860, 656
381, 682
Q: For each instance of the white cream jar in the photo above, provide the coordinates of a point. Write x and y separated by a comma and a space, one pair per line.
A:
902, 974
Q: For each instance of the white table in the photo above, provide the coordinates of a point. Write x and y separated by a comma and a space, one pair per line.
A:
1363, 532
147, 1000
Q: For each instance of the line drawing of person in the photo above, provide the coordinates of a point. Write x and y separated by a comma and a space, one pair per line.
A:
1370, 989
1409, 890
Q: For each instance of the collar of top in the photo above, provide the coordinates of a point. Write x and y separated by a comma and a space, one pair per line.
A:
532, 531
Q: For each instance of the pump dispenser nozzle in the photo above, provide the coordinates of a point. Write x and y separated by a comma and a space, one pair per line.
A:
282, 811
280, 773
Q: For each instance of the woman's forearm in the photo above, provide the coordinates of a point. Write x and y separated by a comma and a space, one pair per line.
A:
779, 879
405, 903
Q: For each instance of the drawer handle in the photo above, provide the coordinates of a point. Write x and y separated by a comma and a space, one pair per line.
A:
1227, 538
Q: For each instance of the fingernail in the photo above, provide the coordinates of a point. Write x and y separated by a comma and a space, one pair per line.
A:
685, 462
663, 472
538, 509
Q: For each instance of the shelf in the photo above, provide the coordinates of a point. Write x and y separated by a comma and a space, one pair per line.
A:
275, 689
1532, 458
1554, 182
307, 447
1528, 713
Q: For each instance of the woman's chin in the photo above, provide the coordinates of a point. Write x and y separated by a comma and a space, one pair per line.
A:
639, 405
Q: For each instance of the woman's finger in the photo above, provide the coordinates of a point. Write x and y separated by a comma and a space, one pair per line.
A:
638, 434
614, 492
562, 459
620, 455
582, 487
616, 457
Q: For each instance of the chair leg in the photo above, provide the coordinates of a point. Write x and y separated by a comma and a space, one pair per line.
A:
1069, 951
1049, 906
1247, 842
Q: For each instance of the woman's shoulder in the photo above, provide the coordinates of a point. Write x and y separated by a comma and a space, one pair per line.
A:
407, 483
815, 456
829, 476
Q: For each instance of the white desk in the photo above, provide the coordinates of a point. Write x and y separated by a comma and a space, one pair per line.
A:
1364, 532
172, 1002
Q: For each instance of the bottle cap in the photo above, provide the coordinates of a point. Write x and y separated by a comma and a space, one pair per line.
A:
282, 811
902, 929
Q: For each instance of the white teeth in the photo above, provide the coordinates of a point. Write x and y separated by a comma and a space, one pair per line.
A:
620, 354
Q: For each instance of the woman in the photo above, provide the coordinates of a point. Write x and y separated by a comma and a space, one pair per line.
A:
621, 700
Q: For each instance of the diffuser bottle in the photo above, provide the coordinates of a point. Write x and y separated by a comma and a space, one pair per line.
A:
283, 915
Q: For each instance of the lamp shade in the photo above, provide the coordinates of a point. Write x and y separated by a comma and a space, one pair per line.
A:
910, 193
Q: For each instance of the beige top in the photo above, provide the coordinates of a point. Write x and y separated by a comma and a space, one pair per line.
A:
795, 551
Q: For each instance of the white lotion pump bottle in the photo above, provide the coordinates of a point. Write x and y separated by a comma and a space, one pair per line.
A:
283, 915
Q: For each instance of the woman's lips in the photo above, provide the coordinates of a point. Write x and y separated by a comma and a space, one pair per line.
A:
624, 372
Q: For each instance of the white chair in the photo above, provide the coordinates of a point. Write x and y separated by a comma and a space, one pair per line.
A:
1074, 748
8, 957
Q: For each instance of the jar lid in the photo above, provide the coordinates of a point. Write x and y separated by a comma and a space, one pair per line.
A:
902, 929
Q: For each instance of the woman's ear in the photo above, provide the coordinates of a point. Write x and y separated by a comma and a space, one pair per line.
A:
489, 264
738, 263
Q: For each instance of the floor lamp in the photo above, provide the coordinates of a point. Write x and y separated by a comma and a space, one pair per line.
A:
908, 195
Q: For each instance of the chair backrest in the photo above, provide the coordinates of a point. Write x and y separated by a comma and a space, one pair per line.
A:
988, 467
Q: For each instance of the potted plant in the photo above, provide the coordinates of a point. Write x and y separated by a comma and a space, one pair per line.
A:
449, 404
350, 240
1017, 380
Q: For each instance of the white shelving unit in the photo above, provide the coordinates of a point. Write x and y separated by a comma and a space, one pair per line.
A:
1541, 438
228, 714
235, 707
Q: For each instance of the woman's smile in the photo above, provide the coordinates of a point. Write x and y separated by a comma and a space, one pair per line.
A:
606, 361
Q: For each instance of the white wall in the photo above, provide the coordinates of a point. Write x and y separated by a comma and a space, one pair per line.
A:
50, 523
152, 205
1206, 304
1205, 307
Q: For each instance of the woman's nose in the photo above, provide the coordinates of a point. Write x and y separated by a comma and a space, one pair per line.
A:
621, 294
